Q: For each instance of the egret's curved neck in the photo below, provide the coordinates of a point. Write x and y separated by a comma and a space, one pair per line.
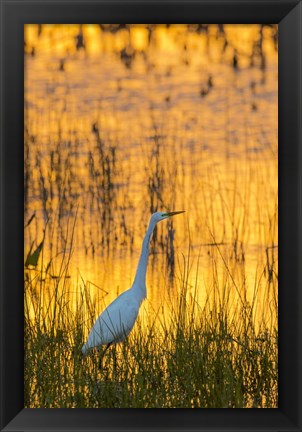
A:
139, 283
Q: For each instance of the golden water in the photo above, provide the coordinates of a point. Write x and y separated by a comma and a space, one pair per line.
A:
109, 140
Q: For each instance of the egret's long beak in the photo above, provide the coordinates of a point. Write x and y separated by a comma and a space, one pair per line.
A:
174, 213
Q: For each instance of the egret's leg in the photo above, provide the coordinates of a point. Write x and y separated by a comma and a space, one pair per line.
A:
102, 356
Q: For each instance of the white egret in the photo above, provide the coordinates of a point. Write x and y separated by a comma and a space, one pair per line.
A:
117, 320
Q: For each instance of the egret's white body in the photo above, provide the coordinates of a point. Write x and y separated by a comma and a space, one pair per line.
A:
117, 320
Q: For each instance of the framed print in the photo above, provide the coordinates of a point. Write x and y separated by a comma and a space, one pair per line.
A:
150, 197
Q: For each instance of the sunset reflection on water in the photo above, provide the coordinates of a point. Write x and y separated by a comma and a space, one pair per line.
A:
145, 119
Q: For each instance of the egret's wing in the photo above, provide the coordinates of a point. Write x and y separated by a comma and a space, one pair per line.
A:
118, 321
115, 323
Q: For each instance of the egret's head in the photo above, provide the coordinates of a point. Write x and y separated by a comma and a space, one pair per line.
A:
159, 216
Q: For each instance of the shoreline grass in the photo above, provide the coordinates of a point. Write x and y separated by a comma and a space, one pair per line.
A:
193, 356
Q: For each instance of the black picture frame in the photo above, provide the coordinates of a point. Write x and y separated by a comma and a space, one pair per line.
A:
14, 14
